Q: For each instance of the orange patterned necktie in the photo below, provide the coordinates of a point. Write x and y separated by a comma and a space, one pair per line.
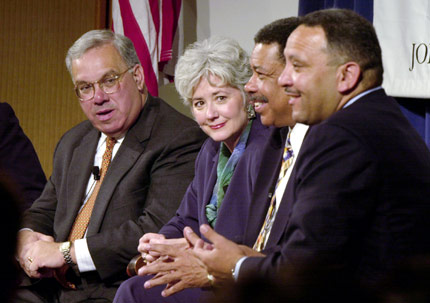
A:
83, 218
287, 159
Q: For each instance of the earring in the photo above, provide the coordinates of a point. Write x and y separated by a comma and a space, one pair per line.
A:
250, 112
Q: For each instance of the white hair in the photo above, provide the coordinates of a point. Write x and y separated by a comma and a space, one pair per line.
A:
96, 38
217, 56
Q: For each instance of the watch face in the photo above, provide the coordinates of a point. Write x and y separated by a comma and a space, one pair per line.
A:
65, 246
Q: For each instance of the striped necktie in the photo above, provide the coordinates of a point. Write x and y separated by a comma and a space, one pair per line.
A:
287, 160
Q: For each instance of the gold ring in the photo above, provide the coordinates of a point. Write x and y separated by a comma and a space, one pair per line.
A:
30, 259
211, 279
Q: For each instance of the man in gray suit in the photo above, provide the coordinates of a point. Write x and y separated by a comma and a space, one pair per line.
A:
116, 176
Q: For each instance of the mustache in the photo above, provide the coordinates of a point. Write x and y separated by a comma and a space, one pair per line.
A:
254, 98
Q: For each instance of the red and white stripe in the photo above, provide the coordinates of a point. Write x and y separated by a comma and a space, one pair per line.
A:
151, 25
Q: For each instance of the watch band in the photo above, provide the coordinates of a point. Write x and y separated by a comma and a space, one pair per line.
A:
65, 250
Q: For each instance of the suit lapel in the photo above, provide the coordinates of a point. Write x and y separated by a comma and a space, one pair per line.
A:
233, 214
77, 177
130, 150
265, 186
210, 185
283, 213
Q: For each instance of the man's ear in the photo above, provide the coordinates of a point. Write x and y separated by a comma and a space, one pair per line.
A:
139, 77
348, 77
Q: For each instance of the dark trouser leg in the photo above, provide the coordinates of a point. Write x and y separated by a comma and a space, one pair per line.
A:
42, 291
132, 291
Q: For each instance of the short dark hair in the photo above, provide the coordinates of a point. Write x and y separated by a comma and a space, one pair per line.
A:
350, 37
277, 32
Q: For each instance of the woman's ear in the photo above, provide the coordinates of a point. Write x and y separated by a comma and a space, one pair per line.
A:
348, 76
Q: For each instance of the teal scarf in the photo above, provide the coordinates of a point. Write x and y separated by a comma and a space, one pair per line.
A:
226, 164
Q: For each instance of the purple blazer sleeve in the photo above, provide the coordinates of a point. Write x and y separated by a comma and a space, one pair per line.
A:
188, 212
18, 159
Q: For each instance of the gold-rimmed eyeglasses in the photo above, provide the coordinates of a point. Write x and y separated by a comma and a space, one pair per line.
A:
109, 84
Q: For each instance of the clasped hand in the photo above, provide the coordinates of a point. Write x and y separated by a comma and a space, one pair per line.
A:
221, 255
187, 262
172, 262
38, 254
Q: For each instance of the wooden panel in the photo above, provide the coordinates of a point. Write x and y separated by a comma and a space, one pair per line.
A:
34, 38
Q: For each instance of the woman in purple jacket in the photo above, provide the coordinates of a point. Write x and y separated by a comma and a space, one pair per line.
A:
210, 77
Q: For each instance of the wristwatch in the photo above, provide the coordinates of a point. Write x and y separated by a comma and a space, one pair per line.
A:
65, 250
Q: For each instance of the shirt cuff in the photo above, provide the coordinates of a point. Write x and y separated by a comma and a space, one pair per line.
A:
237, 268
25, 228
83, 256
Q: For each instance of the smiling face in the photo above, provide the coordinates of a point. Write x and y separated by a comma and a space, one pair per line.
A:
309, 78
112, 114
219, 110
269, 99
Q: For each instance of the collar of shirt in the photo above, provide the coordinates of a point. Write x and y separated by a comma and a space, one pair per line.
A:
297, 134
361, 95
101, 147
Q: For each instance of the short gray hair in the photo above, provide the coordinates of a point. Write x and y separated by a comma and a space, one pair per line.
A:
218, 56
96, 38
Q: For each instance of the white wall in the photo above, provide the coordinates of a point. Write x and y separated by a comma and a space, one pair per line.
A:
238, 19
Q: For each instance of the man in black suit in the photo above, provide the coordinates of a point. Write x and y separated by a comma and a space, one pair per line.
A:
358, 198
18, 159
126, 169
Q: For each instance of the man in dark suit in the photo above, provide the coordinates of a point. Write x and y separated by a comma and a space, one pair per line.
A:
18, 159
116, 176
358, 198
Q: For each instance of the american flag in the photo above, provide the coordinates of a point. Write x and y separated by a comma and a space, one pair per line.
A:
152, 26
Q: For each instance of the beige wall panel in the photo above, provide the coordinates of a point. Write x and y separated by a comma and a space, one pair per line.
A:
34, 38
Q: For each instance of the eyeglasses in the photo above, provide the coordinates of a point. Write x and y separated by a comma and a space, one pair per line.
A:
109, 84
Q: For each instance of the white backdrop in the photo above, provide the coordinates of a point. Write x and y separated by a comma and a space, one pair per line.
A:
240, 19
403, 28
